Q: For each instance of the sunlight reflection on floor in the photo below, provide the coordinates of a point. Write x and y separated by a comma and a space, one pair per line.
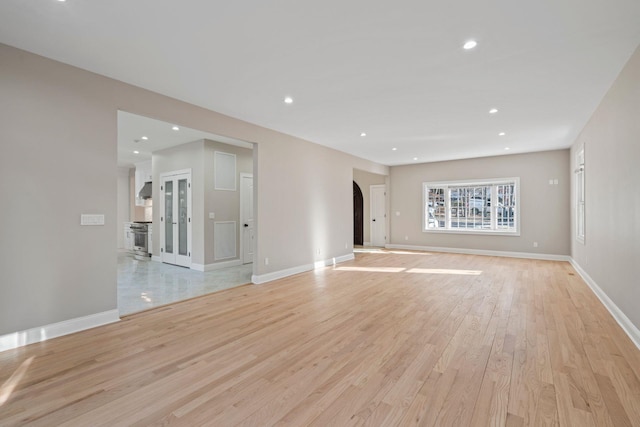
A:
445, 271
10, 384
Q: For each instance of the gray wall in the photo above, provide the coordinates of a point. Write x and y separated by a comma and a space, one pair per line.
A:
199, 157
185, 156
365, 180
123, 203
611, 139
225, 204
57, 161
545, 208
303, 193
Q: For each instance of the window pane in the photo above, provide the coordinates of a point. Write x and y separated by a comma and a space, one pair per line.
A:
435, 208
506, 207
470, 207
168, 215
182, 217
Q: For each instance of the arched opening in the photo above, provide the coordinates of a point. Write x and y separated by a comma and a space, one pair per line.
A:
358, 215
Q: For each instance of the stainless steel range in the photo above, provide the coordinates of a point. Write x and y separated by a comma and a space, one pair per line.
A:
140, 240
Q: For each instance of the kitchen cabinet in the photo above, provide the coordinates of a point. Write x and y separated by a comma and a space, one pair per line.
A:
128, 237
143, 174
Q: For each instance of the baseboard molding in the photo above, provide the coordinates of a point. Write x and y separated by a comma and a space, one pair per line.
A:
216, 266
281, 274
366, 243
627, 326
527, 255
156, 258
66, 327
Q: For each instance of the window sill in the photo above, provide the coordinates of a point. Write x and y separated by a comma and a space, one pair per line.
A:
476, 232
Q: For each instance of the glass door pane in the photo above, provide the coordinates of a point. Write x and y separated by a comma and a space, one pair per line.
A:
168, 215
182, 215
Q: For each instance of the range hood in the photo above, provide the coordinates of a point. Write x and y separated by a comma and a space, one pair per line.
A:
145, 192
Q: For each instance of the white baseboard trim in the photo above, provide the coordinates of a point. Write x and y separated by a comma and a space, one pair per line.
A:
366, 243
217, 265
627, 326
527, 255
66, 327
281, 274
156, 258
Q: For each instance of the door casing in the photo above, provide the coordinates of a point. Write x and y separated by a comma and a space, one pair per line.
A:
247, 236
378, 214
175, 258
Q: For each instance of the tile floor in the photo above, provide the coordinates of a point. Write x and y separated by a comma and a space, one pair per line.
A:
146, 284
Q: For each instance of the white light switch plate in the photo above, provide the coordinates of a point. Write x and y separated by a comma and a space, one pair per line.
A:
212, 215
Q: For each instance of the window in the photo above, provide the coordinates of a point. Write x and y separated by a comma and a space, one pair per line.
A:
580, 224
479, 206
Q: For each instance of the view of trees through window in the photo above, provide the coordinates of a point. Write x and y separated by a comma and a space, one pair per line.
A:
477, 207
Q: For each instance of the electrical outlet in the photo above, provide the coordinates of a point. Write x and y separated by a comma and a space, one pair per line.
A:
266, 261
406, 237
535, 244
318, 251
346, 245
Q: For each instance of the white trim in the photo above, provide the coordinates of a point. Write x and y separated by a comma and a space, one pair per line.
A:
241, 231
217, 231
217, 166
493, 182
66, 327
281, 274
527, 255
216, 266
366, 243
156, 258
180, 260
579, 187
627, 326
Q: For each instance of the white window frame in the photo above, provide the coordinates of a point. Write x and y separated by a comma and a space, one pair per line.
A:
471, 183
581, 224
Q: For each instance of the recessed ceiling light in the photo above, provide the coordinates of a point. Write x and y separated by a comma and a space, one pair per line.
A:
288, 100
415, 158
501, 134
175, 128
506, 148
493, 111
394, 149
363, 134
145, 138
136, 152
62, 1
470, 44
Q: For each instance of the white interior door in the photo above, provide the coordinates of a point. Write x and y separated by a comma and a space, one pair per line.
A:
175, 218
378, 215
246, 217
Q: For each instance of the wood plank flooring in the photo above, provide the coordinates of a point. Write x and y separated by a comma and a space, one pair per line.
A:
390, 339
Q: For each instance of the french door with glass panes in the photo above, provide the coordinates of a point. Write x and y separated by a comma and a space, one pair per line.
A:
175, 217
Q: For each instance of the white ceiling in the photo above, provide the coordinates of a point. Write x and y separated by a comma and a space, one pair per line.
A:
160, 135
396, 71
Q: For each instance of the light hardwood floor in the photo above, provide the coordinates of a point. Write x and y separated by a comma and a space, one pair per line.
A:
388, 339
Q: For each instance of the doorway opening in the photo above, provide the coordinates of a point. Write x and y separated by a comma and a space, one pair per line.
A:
358, 215
194, 202
371, 188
